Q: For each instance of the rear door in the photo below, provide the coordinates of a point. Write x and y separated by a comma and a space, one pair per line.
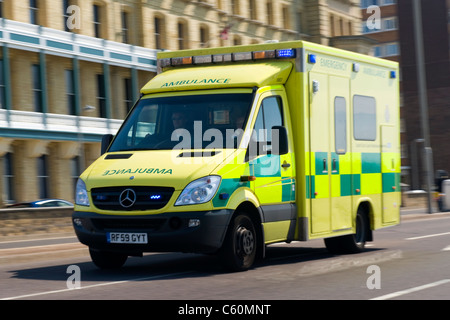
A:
390, 168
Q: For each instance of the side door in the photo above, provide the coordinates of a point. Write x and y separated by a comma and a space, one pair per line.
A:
330, 154
340, 154
320, 146
274, 184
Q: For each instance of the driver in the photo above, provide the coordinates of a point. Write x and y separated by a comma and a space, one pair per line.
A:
179, 120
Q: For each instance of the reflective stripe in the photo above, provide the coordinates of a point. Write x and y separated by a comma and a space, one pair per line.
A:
368, 177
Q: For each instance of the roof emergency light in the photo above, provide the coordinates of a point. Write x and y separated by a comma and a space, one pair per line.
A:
229, 57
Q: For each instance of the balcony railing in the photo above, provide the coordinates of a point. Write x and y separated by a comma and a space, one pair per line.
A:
57, 124
32, 37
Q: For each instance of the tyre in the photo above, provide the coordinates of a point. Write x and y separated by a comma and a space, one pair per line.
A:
352, 243
238, 251
107, 260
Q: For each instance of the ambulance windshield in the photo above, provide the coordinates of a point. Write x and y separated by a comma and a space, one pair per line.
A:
209, 121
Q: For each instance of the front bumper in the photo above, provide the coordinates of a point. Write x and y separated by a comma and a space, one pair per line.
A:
166, 232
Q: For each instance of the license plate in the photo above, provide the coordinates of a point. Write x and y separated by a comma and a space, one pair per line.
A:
126, 237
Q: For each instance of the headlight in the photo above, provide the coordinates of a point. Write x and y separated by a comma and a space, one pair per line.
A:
199, 191
81, 195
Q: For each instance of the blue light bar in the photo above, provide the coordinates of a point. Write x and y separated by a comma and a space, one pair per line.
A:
286, 53
393, 75
312, 58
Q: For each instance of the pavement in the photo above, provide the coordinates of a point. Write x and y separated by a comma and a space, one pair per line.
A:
44, 247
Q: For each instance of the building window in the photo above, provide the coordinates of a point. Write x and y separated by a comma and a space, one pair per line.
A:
269, 8
377, 51
75, 170
237, 41
42, 176
158, 33
34, 11
390, 24
252, 8
286, 18
101, 95
128, 98
204, 36
37, 87
300, 22
1, 9
8, 178
368, 3
182, 34
332, 26
125, 28
97, 21
70, 92
392, 49
2, 87
235, 7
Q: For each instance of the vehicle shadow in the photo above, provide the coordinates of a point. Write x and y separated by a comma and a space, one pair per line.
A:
177, 265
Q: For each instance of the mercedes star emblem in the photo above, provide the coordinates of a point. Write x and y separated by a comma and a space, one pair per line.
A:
127, 198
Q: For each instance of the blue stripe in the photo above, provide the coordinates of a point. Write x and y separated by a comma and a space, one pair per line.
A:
59, 45
23, 38
120, 56
91, 51
147, 61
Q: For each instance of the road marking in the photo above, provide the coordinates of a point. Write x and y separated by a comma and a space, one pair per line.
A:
42, 248
429, 236
447, 248
98, 285
37, 239
415, 289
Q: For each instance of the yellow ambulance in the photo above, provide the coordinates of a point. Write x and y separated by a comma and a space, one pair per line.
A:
234, 148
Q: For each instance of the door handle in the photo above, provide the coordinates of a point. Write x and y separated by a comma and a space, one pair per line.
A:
286, 165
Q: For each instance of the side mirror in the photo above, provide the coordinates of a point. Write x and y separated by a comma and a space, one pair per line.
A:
280, 143
106, 141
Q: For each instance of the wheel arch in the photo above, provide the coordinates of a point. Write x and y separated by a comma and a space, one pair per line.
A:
366, 208
256, 216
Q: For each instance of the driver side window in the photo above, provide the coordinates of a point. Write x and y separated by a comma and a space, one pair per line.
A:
269, 115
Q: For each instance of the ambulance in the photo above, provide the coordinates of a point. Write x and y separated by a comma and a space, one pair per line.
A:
231, 149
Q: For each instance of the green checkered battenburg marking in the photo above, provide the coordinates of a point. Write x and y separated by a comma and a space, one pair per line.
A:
349, 183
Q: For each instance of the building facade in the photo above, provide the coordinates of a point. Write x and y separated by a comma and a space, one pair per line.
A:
70, 70
435, 25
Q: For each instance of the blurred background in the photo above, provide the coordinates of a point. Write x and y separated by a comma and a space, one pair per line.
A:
70, 70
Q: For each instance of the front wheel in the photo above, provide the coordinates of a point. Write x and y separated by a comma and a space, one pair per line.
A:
238, 251
107, 260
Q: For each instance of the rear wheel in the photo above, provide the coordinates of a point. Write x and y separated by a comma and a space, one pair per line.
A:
238, 251
107, 260
352, 243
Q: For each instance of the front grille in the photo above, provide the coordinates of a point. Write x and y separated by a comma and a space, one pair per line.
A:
146, 198
127, 224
